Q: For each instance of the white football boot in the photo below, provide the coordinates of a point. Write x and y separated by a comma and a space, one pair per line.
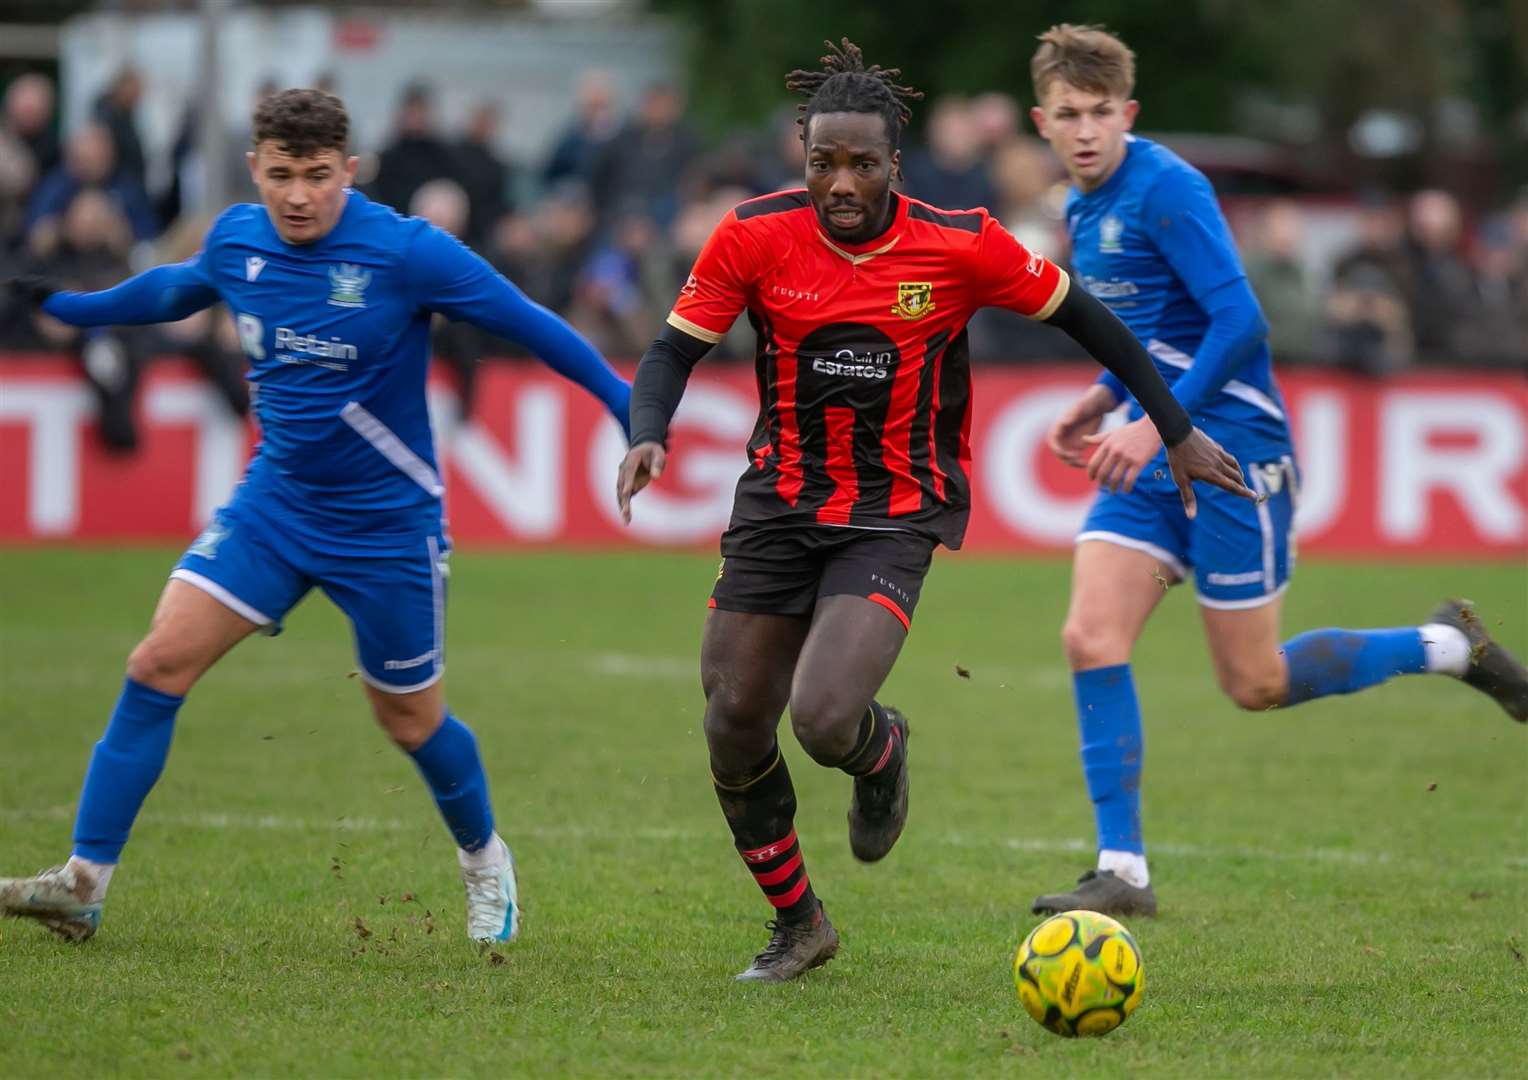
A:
63, 899
493, 901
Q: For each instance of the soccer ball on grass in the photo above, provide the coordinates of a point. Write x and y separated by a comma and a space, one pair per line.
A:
1079, 973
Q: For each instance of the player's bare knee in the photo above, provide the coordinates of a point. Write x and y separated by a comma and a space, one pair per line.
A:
155, 664
733, 705
736, 740
721, 725
411, 732
729, 703
825, 724
407, 721
1089, 644
1255, 689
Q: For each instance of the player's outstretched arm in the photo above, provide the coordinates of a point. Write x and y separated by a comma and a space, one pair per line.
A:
446, 277
661, 378
1191, 453
164, 294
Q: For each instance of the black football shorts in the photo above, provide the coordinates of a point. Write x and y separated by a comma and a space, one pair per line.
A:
785, 571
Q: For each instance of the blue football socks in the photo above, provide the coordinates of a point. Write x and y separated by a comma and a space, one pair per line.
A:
450, 764
123, 768
1109, 721
1330, 661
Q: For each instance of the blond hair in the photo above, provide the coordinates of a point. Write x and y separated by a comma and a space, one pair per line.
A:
1087, 57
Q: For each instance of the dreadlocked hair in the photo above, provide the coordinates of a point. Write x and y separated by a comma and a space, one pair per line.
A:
845, 84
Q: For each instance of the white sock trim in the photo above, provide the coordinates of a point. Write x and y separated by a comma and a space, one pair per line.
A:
493, 853
1128, 866
100, 873
1446, 649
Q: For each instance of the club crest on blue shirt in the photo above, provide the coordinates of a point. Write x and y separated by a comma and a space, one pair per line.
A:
206, 545
347, 285
915, 299
1110, 229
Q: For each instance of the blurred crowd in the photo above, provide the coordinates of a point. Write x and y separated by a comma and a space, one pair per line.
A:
604, 231
1419, 285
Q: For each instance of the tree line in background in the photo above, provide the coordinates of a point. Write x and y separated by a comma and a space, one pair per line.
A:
1301, 72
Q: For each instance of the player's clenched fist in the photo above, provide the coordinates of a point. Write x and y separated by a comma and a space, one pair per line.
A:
643, 464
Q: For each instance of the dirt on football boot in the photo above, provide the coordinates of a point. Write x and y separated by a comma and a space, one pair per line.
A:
59, 898
1493, 670
1102, 891
878, 808
793, 950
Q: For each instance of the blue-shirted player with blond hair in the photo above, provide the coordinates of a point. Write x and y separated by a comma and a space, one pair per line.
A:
332, 295
1149, 239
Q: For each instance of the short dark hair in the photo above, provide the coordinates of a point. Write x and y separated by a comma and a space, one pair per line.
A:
845, 84
302, 122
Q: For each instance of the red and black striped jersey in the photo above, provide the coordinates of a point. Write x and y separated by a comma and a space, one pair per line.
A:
863, 367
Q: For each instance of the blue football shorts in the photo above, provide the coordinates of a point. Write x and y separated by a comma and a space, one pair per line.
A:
1242, 554
396, 603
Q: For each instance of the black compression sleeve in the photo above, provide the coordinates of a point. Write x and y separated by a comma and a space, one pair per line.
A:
1093, 326
660, 382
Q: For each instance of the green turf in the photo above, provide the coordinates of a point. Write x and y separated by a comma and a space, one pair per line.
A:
1345, 888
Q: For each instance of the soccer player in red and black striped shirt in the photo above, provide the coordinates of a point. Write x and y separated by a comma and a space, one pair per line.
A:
858, 468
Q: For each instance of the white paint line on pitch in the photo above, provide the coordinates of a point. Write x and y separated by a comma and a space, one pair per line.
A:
283, 823
631, 665
619, 665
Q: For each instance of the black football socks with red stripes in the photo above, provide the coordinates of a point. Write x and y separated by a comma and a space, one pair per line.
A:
878, 749
761, 810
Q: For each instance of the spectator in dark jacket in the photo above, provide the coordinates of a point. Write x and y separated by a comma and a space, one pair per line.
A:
457, 345
29, 103
1442, 283
1368, 318
90, 161
116, 110
89, 252
645, 163
416, 155
1496, 332
564, 227
951, 172
583, 142
485, 178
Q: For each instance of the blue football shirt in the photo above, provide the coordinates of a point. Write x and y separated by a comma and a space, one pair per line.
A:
337, 334
1152, 244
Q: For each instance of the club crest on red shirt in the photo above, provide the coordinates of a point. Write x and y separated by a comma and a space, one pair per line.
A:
915, 299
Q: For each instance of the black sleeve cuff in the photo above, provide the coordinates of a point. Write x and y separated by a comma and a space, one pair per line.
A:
661, 378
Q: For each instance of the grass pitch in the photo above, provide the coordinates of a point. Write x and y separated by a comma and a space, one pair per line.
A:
1344, 886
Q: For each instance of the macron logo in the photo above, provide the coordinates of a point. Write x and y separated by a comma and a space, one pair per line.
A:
252, 267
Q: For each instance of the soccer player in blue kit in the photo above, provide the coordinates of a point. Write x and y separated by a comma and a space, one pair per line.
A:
1149, 239
332, 295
